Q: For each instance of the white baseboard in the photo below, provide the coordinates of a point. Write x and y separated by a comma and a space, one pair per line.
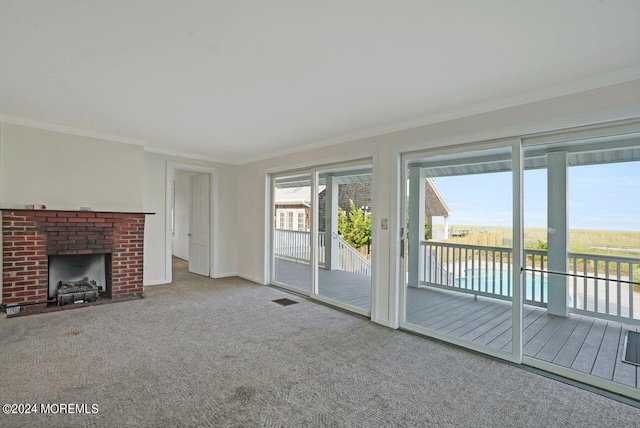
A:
154, 282
249, 278
224, 275
381, 322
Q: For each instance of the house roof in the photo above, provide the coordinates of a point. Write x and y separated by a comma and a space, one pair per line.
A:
294, 195
443, 208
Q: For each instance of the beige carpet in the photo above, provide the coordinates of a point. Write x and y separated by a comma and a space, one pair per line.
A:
204, 352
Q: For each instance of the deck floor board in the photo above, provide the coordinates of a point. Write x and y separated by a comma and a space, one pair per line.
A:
589, 350
578, 342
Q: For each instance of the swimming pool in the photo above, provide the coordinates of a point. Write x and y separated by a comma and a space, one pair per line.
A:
500, 282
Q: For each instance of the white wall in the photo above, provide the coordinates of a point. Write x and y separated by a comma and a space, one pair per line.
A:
65, 171
606, 104
156, 230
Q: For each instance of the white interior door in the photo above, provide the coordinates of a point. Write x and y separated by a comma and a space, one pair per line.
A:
199, 224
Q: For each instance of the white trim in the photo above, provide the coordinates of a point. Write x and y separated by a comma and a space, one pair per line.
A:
226, 275
72, 131
517, 249
290, 288
187, 155
249, 278
341, 305
459, 342
151, 283
376, 210
579, 376
213, 215
582, 85
397, 272
382, 322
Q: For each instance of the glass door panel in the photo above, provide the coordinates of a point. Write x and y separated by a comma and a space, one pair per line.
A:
582, 255
459, 223
344, 235
292, 232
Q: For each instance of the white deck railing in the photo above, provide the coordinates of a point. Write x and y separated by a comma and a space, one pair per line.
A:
295, 245
292, 244
350, 260
598, 285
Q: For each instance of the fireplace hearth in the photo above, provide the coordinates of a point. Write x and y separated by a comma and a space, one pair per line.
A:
105, 247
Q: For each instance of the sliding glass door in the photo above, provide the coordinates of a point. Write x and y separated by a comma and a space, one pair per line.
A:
345, 235
322, 235
530, 251
291, 233
460, 275
582, 255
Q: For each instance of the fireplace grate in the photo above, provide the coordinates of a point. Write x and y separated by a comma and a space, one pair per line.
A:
84, 290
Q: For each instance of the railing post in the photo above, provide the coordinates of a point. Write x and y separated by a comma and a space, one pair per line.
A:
331, 224
416, 224
557, 233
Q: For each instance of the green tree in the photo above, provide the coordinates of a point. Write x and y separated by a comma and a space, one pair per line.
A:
355, 227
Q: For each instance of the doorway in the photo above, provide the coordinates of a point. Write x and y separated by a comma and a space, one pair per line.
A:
189, 219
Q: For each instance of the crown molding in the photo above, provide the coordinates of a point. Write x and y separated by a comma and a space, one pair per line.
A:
582, 85
70, 130
577, 86
188, 155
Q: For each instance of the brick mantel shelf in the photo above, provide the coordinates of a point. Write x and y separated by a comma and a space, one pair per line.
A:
29, 237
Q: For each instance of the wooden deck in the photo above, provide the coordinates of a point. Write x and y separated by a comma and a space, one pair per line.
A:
345, 287
578, 342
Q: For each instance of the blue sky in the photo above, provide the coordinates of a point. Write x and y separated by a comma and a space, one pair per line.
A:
605, 197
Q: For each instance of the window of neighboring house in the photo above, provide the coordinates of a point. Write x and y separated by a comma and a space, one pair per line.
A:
291, 219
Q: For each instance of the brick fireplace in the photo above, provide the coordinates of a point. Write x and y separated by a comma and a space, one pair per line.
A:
31, 237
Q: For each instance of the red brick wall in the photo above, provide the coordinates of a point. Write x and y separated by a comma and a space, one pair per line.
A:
30, 237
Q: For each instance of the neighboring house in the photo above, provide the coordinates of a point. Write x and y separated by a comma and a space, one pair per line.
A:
360, 194
293, 208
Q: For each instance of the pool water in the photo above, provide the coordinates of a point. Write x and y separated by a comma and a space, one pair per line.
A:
489, 282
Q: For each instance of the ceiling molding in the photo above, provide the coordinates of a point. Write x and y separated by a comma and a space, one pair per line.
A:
72, 131
582, 85
187, 155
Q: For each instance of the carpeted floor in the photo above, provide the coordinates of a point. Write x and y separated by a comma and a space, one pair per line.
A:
204, 352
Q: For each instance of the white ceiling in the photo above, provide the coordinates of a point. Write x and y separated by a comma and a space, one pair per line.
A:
240, 80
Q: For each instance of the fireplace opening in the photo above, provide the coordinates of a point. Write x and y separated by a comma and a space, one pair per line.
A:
79, 278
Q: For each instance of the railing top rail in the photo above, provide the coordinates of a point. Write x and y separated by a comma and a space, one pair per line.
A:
603, 257
299, 232
539, 252
535, 251
471, 246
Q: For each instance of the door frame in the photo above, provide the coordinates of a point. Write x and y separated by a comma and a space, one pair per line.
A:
515, 144
313, 172
213, 213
